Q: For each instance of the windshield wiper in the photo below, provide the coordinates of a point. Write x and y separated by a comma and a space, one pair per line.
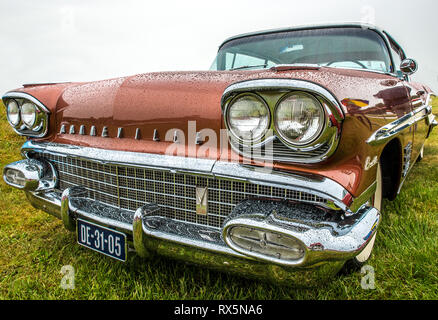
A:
247, 67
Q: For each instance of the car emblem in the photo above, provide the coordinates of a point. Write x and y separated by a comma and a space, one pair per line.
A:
201, 200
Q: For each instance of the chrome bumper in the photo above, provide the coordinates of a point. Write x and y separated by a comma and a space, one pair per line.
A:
325, 243
327, 246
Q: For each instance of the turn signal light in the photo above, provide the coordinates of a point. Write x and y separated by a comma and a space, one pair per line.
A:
15, 177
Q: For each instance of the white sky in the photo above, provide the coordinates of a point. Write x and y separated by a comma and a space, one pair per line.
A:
81, 40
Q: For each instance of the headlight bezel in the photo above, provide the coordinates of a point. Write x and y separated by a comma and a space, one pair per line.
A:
227, 111
272, 147
315, 136
40, 125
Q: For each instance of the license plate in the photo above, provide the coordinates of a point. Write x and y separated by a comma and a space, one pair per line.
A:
109, 242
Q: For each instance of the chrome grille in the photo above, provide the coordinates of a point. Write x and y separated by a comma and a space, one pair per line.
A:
130, 187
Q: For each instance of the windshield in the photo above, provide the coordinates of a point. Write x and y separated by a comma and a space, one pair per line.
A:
336, 47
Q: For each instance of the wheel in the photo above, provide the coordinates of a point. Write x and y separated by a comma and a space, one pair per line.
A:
360, 260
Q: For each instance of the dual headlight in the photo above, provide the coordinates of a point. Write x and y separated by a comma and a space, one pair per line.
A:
298, 117
26, 116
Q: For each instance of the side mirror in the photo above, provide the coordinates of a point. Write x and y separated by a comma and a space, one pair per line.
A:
408, 66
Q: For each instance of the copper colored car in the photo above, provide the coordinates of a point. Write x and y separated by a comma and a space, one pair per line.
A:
272, 164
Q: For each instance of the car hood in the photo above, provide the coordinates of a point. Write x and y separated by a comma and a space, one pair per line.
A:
123, 109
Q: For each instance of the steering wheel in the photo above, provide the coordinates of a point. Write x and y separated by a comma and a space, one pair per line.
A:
354, 61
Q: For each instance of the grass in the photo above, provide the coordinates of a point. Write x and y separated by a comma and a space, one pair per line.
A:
34, 246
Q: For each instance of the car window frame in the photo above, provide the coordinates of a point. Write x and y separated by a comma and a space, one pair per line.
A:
391, 42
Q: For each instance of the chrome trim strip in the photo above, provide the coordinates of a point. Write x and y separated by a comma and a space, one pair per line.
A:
390, 130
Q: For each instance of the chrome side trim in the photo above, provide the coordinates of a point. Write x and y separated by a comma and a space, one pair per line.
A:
390, 130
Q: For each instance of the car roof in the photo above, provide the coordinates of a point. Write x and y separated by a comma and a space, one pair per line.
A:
307, 27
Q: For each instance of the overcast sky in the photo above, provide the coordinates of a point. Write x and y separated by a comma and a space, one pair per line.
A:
60, 40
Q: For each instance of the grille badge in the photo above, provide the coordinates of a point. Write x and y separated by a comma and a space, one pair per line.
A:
201, 200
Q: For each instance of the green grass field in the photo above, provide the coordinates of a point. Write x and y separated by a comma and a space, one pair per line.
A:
34, 246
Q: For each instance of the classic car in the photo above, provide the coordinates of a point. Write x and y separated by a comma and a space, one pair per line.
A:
272, 164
